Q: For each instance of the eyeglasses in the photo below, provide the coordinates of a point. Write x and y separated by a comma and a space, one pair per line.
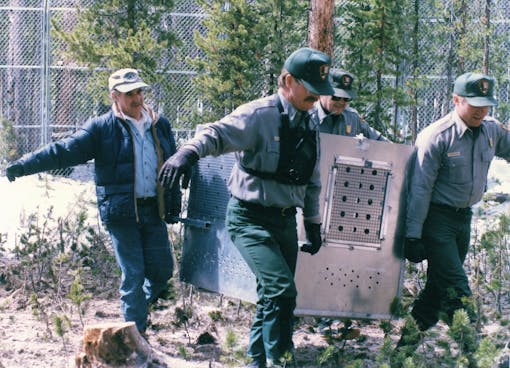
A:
129, 77
336, 98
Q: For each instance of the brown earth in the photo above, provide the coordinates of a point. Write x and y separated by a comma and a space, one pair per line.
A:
28, 336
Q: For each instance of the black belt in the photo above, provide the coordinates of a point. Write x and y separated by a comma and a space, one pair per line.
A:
146, 201
269, 211
451, 208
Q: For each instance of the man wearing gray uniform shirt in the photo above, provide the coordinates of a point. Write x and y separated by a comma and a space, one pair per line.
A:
335, 114
276, 170
453, 156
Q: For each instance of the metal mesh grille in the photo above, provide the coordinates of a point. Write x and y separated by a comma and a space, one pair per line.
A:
213, 174
357, 204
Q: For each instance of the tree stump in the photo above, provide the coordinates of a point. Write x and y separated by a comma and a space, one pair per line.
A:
116, 345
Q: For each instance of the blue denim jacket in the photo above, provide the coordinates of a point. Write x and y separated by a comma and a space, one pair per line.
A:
108, 140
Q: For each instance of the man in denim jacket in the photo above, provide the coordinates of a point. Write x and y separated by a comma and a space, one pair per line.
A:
128, 144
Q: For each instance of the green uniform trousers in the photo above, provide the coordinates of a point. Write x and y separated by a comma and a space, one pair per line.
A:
446, 234
266, 237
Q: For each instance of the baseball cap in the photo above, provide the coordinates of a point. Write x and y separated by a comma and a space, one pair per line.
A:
341, 81
478, 89
311, 67
125, 80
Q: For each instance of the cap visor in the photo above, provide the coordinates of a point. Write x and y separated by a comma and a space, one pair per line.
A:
343, 93
131, 86
319, 88
481, 101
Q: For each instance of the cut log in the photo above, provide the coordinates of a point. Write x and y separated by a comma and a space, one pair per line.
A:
116, 345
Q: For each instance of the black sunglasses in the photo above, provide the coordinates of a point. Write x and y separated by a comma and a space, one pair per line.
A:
335, 98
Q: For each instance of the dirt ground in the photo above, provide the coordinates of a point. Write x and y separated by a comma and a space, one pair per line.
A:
28, 337
28, 334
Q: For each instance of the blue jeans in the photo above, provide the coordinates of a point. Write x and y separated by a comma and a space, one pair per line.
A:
145, 259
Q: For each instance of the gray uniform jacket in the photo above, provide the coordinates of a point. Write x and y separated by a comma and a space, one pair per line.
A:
348, 123
449, 168
252, 131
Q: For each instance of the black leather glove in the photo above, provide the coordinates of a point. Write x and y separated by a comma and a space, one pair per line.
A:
313, 233
414, 250
179, 164
13, 170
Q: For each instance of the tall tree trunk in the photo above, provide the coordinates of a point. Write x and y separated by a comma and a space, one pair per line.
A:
320, 25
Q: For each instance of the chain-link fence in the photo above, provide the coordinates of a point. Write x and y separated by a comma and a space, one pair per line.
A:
46, 98
448, 38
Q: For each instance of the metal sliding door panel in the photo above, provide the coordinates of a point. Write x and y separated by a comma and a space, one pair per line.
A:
358, 272
209, 258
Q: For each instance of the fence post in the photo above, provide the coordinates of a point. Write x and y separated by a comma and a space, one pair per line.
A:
45, 73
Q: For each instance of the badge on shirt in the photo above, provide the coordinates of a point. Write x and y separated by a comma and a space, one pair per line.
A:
348, 129
454, 154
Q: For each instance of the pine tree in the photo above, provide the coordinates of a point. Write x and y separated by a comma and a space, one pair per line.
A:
245, 45
113, 34
370, 37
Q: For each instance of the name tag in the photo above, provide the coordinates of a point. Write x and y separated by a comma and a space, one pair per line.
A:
277, 138
454, 154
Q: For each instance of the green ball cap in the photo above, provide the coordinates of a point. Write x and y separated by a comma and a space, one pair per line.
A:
311, 67
341, 81
478, 89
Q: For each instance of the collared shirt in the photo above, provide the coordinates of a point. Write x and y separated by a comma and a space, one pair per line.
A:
348, 123
252, 131
146, 160
451, 166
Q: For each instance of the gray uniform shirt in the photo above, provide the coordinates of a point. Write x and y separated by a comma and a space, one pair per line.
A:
451, 166
348, 123
252, 131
